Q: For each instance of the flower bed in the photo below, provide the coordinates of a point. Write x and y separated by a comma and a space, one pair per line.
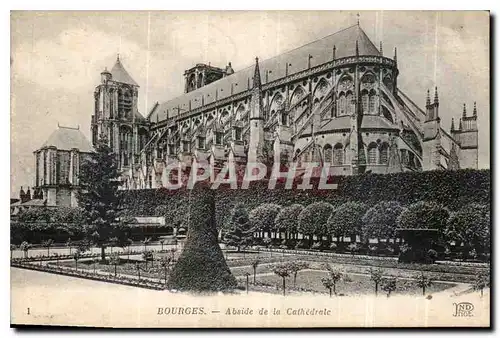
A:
387, 262
56, 256
310, 281
144, 283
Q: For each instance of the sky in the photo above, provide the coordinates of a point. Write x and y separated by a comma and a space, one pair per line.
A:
57, 57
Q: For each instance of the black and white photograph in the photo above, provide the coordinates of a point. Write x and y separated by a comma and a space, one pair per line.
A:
250, 169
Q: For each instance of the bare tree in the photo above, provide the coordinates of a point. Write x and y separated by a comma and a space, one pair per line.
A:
282, 271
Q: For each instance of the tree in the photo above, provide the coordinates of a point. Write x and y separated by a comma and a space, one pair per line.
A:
247, 274
262, 218
423, 281
295, 267
69, 244
114, 259
380, 221
283, 271
146, 241
25, 247
84, 246
94, 262
138, 269
313, 219
201, 266
165, 263
347, 220
48, 243
376, 275
240, 232
334, 275
287, 219
113, 241
481, 281
98, 196
423, 215
471, 226
255, 264
328, 283
76, 257
147, 256
126, 245
389, 285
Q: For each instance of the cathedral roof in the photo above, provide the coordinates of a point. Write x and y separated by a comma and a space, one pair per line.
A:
65, 138
321, 51
119, 74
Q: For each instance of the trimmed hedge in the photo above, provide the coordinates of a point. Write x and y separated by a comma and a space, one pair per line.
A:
201, 265
453, 189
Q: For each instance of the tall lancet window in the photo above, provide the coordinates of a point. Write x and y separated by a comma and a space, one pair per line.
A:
384, 153
327, 152
364, 101
342, 106
338, 154
350, 106
372, 153
371, 105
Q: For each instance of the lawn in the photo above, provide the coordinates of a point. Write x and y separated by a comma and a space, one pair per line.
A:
358, 284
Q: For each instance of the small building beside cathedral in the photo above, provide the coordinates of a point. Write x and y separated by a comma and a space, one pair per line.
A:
57, 165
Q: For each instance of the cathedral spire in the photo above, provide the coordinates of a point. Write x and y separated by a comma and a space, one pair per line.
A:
474, 112
396, 54
357, 48
381, 49
428, 100
452, 124
334, 51
118, 57
464, 112
436, 98
460, 125
256, 75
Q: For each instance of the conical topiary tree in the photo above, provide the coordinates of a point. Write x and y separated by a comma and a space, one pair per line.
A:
201, 265
240, 234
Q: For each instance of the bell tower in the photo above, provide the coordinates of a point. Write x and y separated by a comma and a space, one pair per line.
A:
117, 116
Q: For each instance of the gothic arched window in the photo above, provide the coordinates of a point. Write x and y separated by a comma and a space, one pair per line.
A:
372, 153
327, 152
371, 105
364, 101
384, 148
342, 104
349, 104
338, 154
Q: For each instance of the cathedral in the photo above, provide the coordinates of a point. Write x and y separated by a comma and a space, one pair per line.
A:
334, 101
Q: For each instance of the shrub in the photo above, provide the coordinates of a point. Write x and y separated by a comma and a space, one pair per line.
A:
353, 248
346, 220
262, 217
432, 255
317, 246
470, 226
302, 244
380, 221
288, 219
424, 215
313, 219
